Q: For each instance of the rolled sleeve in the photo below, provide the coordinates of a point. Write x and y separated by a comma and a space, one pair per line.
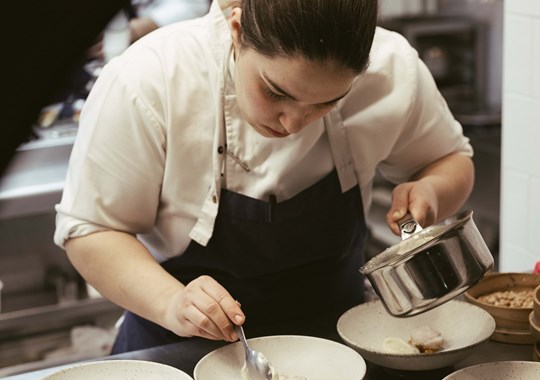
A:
396, 119
112, 184
429, 133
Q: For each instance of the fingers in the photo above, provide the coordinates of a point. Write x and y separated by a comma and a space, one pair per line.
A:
399, 207
216, 304
418, 199
209, 310
194, 325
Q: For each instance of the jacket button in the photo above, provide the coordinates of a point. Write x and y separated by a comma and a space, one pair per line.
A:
214, 198
220, 150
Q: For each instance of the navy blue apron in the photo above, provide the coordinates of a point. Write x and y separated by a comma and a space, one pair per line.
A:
292, 265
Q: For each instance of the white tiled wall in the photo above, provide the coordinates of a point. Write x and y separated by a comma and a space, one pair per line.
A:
520, 168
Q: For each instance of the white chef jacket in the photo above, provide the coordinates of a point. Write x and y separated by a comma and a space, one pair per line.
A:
147, 162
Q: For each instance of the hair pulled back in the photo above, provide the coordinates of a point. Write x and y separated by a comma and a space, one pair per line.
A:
339, 31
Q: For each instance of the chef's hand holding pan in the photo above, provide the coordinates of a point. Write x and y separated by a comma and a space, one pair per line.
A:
204, 308
418, 198
434, 193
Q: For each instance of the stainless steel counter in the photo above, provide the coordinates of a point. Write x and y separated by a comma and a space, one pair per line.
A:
185, 356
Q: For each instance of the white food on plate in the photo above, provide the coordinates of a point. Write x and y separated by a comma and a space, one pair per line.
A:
426, 339
399, 346
275, 376
423, 339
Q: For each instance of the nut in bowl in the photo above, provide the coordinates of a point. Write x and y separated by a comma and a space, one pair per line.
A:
462, 327
508, 297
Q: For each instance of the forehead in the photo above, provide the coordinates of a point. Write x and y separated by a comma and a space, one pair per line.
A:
307, 80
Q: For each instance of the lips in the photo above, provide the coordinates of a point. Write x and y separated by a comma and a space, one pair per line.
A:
275, 133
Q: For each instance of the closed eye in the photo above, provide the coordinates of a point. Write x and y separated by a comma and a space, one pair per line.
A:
328, 104
273, 95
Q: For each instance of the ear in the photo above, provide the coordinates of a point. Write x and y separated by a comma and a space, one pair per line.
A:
236, 26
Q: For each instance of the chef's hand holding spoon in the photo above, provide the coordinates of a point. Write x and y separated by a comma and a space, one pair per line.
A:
204, 308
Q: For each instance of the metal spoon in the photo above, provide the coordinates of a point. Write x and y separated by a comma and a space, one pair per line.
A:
259, 368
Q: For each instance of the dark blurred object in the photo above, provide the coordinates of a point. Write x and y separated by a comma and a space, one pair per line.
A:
44, 46
454, 50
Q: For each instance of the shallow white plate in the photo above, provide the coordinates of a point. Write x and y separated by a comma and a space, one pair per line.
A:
506, 370
119, 369
463, 326
291, 355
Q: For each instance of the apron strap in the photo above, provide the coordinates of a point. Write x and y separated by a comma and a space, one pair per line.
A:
341, 151
204, 227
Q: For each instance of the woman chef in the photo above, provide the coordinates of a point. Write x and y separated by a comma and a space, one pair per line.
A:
223, 168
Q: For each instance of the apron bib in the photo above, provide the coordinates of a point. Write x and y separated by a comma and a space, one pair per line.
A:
293, 266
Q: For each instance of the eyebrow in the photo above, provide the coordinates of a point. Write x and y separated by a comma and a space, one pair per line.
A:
283, 92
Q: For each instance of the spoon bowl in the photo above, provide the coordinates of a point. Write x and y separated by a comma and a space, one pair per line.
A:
257, 366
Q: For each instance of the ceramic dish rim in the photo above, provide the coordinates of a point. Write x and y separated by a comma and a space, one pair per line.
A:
501, 362
444, 352
343, 346
96, 363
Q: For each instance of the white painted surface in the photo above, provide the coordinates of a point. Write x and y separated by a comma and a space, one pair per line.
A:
520, 169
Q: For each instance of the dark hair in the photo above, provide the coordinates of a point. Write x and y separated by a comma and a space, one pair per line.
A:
322, 30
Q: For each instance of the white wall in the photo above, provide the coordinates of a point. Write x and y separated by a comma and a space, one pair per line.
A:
520, 166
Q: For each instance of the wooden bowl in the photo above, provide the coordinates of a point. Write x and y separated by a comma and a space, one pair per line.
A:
536, 302
536, 352
507, 318
513, 336
534, 325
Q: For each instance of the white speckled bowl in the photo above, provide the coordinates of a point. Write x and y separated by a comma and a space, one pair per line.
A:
291, 355
462, 325
119, 369
508, 370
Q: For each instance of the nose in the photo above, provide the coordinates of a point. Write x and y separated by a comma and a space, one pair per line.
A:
293, 120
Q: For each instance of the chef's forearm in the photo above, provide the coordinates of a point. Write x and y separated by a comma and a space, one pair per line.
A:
452, 178
123, 271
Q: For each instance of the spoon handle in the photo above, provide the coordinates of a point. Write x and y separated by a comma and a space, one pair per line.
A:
240, 332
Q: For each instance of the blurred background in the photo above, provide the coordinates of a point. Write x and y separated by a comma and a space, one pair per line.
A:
485, 58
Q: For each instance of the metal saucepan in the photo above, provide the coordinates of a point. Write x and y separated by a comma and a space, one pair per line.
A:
429, 266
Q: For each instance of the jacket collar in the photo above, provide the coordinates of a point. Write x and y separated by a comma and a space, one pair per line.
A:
219, 30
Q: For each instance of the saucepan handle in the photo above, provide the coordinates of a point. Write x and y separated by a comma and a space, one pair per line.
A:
408, 226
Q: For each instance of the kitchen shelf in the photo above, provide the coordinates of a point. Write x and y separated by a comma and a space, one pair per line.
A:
34, 180
29, 336
56, 316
